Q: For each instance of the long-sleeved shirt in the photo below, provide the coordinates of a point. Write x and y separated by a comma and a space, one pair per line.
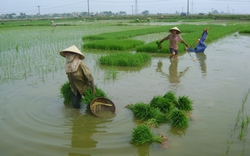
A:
80, 79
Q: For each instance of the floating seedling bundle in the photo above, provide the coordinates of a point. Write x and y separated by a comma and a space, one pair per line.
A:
161, 109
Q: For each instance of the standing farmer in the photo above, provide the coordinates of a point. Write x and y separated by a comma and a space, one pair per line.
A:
79, 75
174, 37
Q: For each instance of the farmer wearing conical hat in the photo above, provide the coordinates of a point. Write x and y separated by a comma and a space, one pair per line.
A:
79, 75
174, 37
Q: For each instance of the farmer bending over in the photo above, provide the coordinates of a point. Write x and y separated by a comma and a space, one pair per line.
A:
79, 75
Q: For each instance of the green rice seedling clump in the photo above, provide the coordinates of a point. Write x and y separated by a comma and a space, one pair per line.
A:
184, 103
163, 104
152, 123
142, 135
171, 97
124, 59
179, 119
112, 44
88, 97
159, 116
65, 91
143, 111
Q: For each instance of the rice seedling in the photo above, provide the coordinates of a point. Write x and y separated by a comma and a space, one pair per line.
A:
179, 119
152, 123
143, 135
111, 73
171, 97
159, 116
124, 59
163, 104
65, 91
143, 111
113, 44
88, 97
184, 103
126, 33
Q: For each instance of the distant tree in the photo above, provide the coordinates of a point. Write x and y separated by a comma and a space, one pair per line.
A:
215, 12
22, 15
146, 12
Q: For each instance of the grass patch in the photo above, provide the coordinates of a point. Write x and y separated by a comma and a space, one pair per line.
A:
113, 44
124, 59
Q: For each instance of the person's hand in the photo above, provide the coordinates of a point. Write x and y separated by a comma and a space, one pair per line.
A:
159, 45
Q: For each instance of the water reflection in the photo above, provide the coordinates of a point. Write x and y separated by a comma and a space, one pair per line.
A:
84, 126
180, 132
173, 76
143, 150
202, 61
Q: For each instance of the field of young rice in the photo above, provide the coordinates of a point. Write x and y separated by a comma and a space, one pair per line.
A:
35, 121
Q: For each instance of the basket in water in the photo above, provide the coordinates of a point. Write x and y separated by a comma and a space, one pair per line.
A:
100, 105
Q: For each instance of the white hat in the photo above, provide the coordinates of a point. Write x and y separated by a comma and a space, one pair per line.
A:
175, 28
72, 49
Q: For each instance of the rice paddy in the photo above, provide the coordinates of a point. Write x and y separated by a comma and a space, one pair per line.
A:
32, 74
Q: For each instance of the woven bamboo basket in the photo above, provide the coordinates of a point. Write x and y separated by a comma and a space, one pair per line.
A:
102, 107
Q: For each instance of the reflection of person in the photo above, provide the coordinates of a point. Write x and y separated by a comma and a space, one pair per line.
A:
173, 76
83, 128
202, 58
201, 45
173, 38
79, 75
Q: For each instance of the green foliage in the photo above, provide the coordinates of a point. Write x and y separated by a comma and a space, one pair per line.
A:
143, 111
171, 97
88, 97
126, 33
163, 104
152, 122
124, 59
142, 135
66, 92
184, 103
113, 44
159, 116
179, 119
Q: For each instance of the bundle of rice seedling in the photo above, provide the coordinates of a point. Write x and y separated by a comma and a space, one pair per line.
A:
184, 103
142, 135
152, 123
143, 111
65, 91
179, 119
171, 97
159, 116
163, 104
88, 97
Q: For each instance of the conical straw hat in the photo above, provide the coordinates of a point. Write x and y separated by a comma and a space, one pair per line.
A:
175, 28
72, 49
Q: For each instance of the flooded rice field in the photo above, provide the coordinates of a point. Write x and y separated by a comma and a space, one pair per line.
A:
34, 120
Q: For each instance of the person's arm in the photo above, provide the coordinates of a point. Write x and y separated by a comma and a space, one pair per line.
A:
93, 87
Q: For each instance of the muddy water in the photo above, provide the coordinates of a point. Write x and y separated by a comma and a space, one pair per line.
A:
34, 121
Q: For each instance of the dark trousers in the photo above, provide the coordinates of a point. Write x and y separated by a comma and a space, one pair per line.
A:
76, 99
